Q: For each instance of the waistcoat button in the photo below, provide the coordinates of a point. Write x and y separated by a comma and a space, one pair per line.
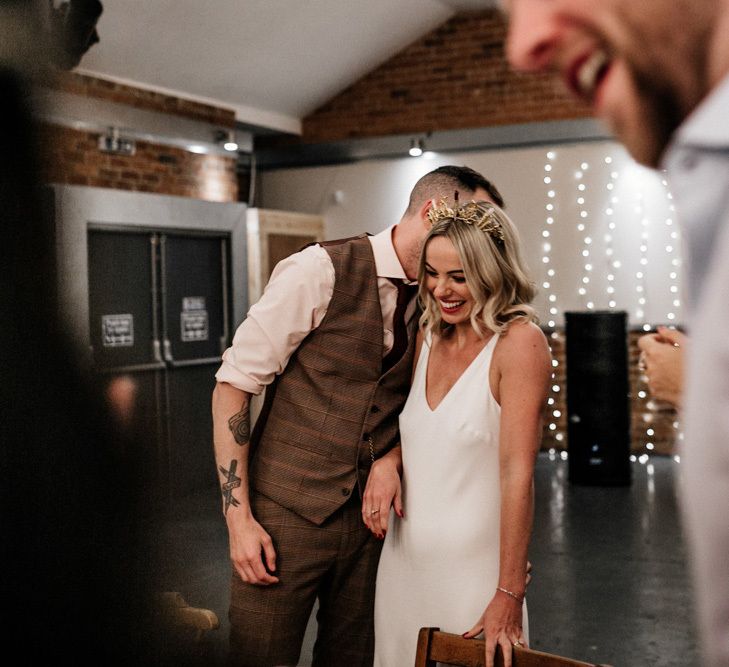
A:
345, 492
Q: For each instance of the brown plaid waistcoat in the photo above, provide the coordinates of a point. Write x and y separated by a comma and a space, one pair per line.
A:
311, 445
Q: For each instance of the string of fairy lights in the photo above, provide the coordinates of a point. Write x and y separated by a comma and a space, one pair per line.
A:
609, 235
671, 315
584, 282
552, 305
641, 286
596, 218
547, 242
671, 251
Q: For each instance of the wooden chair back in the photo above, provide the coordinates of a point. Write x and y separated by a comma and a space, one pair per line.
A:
435, 646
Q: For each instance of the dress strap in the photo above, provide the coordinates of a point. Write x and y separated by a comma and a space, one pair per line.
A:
421, 363
488, 351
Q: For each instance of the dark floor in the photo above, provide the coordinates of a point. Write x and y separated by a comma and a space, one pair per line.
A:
610, 579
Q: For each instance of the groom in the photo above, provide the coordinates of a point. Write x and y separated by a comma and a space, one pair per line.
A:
332, 338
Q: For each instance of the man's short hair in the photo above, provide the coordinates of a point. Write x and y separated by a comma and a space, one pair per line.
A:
444, 181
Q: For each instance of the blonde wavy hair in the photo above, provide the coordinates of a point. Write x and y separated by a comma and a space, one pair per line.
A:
494, 270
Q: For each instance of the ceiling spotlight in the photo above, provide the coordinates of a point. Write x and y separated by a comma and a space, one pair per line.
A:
416, 147
227, 139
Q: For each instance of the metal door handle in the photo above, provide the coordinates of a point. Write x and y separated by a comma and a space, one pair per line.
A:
167, 347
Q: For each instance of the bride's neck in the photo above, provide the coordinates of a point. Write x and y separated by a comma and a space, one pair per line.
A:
461, 335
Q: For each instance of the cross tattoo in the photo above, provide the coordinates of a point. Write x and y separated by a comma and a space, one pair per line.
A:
232, 482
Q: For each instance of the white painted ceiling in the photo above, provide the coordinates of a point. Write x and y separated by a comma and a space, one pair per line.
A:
272, 61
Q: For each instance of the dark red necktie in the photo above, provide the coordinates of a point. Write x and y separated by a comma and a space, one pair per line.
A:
399, 328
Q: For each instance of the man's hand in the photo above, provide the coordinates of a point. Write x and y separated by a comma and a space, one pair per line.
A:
250, 544
383, 490
662, 356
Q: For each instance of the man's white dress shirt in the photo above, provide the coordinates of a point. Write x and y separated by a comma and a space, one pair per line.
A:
292, 305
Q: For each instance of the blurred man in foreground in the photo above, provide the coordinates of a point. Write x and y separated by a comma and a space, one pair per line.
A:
658, 73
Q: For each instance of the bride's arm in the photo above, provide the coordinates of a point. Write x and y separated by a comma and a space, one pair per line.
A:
520, 378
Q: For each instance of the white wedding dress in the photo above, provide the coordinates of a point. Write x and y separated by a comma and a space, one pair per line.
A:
440, 564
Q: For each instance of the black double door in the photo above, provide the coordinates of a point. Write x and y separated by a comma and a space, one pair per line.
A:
159, 314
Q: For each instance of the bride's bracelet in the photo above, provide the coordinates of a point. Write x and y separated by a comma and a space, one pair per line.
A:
518, 598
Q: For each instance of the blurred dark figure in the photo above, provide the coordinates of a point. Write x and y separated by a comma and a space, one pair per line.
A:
78, 561
73, 28
72, 584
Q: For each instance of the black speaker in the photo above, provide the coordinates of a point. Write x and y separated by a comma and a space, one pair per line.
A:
598, 402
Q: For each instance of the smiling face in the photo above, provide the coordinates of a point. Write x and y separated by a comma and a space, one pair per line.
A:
446, 281
642, 65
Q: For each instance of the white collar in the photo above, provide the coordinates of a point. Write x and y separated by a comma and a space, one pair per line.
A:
387, 264
707, 124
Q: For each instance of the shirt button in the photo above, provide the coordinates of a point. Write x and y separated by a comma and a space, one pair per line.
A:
689, 162
345, 492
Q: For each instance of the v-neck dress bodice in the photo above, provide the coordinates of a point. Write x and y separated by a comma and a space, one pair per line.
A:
440, 564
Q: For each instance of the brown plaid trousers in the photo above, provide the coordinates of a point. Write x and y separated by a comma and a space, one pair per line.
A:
336, 561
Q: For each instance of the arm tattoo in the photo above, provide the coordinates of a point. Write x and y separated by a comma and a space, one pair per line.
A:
232, 481
240, 426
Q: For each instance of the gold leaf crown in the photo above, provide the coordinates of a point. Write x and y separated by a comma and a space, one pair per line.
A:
482, 215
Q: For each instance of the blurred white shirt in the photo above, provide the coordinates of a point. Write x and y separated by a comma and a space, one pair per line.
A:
698, 169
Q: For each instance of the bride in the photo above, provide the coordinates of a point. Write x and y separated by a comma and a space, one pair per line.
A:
455, 554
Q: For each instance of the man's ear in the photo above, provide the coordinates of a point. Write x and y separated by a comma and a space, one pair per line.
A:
424, 209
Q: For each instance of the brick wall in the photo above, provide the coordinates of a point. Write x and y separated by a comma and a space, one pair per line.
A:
72, 156
645, 413
455, 77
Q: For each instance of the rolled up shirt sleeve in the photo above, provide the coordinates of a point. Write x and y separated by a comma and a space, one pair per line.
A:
292, 305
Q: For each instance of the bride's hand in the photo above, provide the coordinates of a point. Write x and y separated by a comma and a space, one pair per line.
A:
383, 489
500, 624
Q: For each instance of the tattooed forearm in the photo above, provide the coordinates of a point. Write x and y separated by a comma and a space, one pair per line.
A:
232, 481
240, 425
